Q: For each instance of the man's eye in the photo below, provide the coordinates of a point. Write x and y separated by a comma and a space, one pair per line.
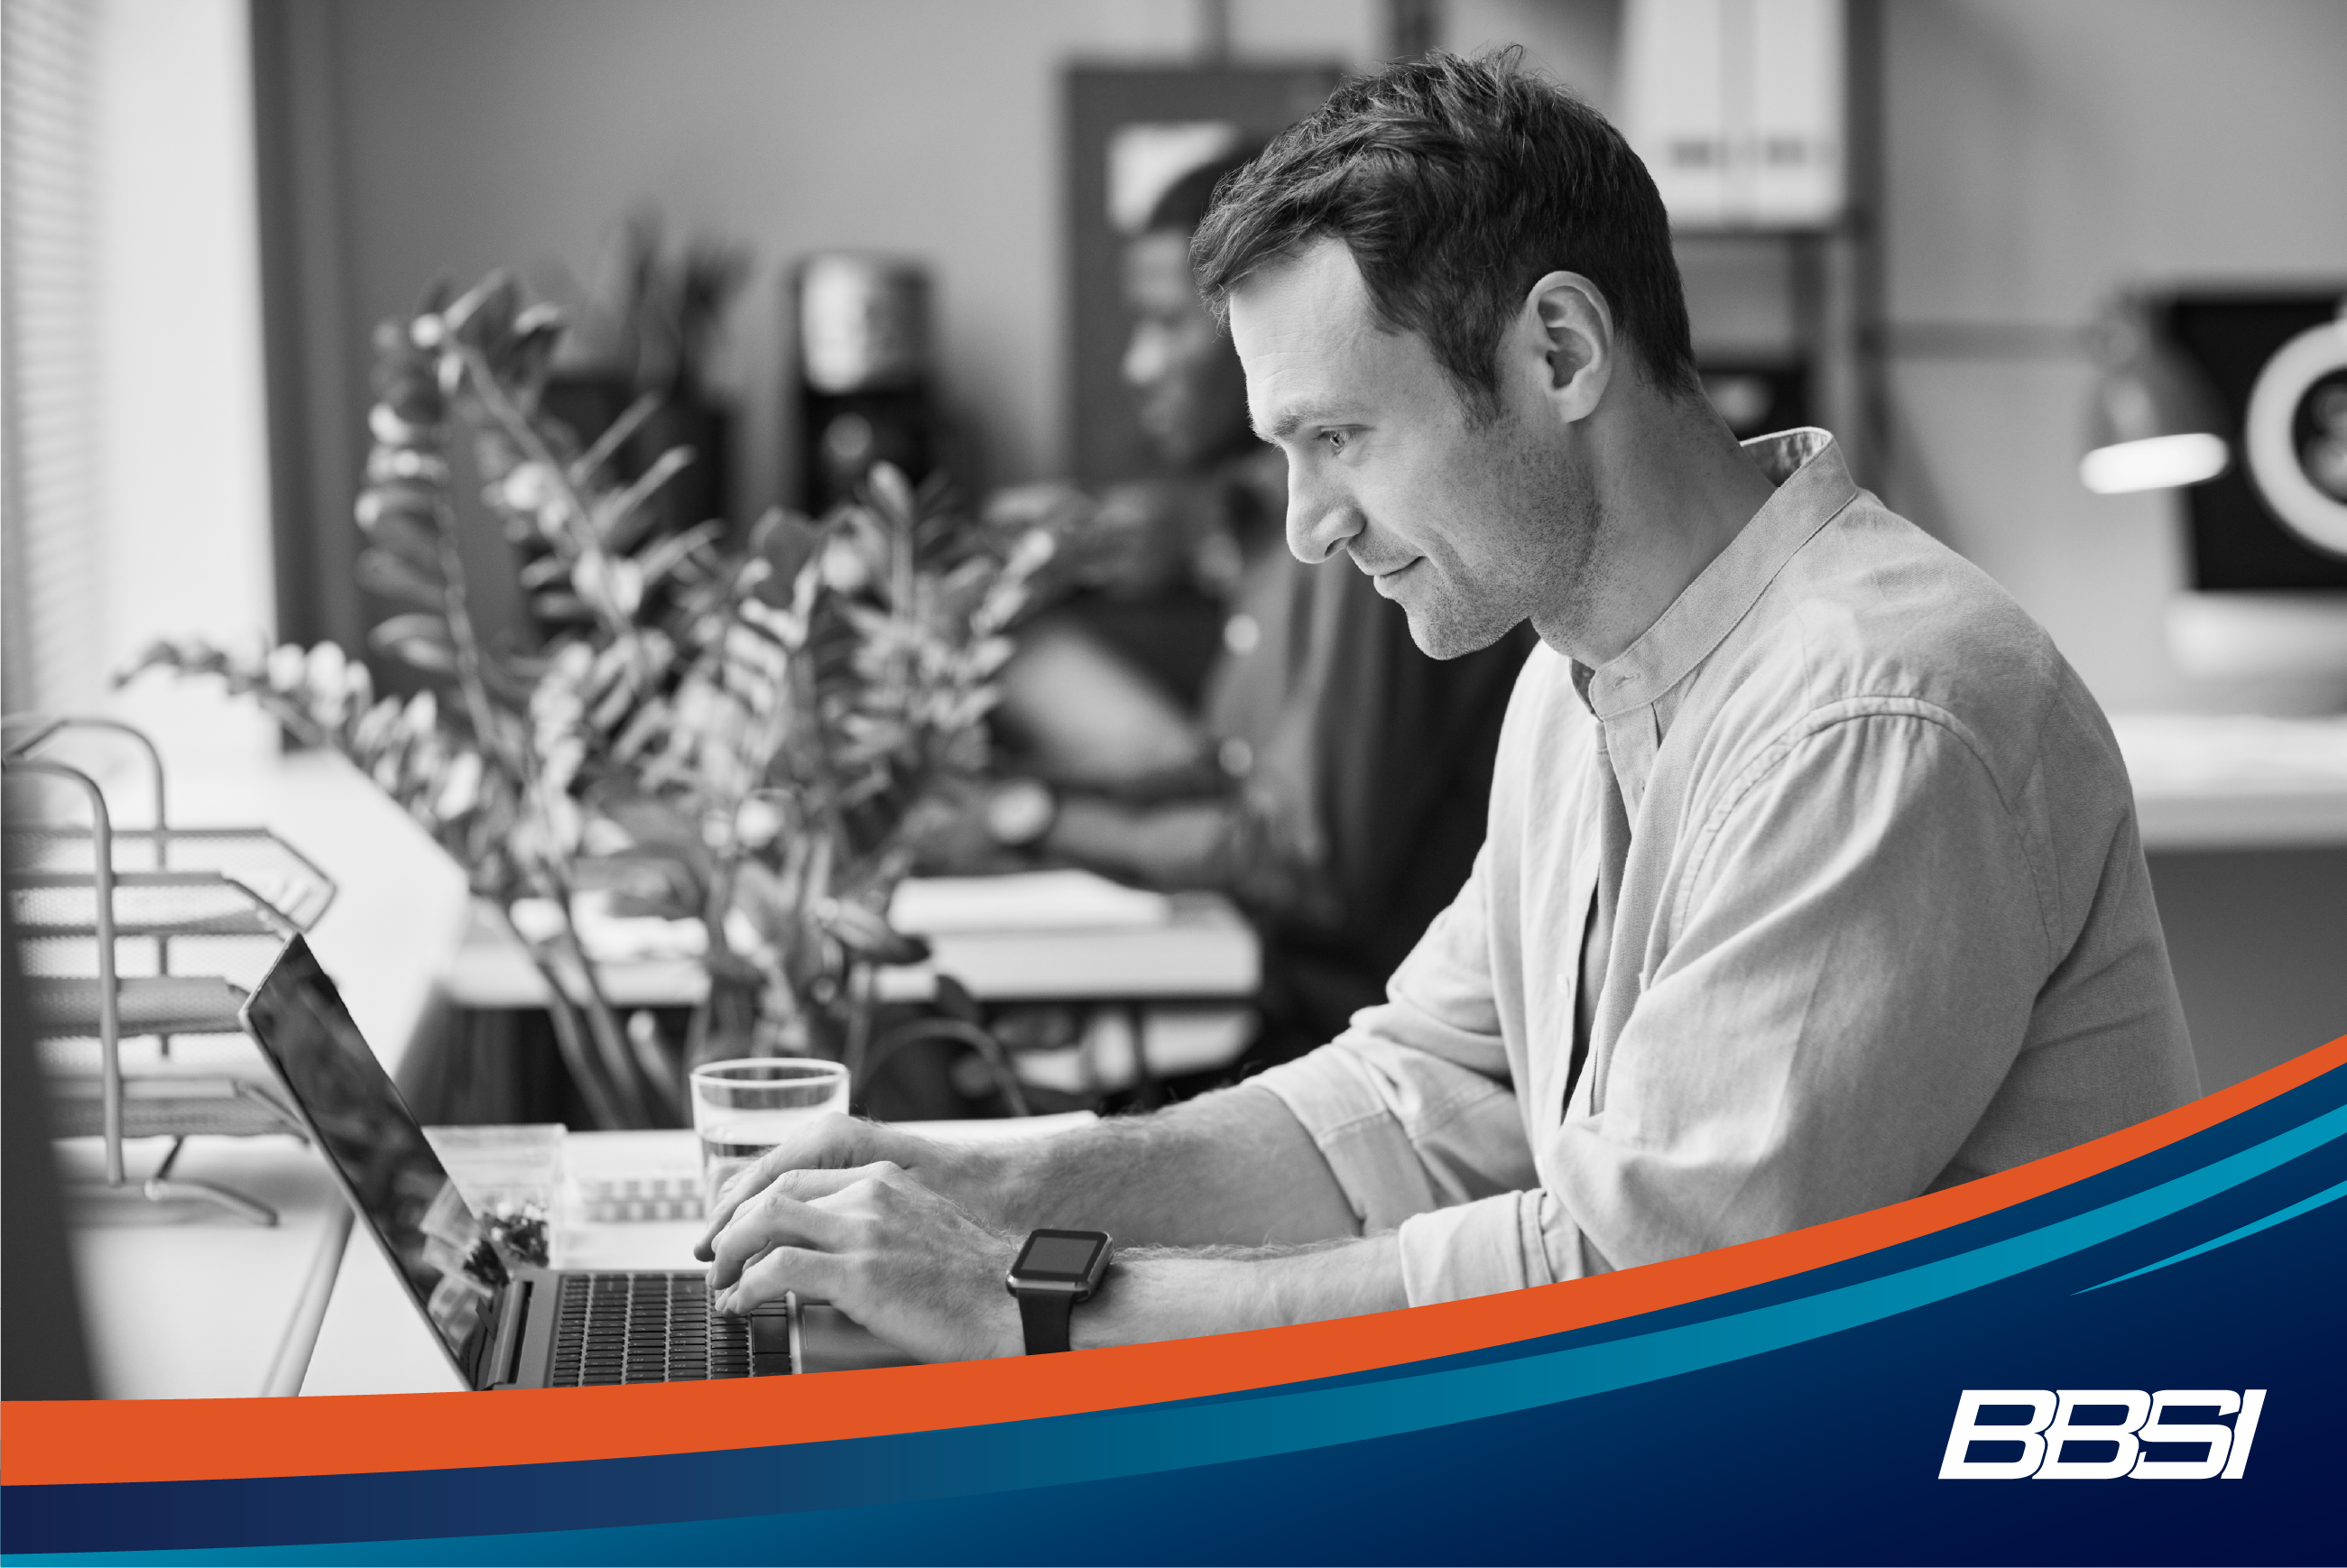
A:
1336, 439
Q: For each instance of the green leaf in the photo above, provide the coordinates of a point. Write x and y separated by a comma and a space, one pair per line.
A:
428, 627
621, 519
381, 572
658, 560
419, 640
414, 538
892, 494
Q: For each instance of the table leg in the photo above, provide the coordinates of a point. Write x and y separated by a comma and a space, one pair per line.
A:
291, 1363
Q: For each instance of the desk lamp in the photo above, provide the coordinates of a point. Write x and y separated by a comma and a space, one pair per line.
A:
2153, 425
2237, 397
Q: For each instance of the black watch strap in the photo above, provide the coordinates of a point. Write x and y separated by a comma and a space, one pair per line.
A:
1043, 1316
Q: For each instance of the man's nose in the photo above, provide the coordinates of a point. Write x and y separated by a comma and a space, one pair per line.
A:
1319, 520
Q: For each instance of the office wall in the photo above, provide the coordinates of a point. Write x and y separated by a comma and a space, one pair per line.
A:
2040, 156
517, 133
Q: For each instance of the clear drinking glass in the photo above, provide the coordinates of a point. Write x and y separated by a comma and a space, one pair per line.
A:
742, 1109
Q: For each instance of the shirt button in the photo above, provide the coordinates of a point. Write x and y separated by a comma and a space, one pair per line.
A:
1236, 757
1241, 632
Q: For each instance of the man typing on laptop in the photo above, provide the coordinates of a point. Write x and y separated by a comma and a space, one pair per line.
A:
1811, 881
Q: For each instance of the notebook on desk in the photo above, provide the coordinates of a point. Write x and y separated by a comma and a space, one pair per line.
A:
503, 1324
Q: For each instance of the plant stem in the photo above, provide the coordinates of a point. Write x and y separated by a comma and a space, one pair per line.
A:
603, 1024
524, 435
567, 1035
455, 612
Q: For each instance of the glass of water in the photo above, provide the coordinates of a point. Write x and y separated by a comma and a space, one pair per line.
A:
742, 1109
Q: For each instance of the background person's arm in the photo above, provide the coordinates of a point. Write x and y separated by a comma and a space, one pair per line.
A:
1169, 844
1087, 720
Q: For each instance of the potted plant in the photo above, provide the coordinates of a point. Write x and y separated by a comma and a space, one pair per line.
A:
760, 727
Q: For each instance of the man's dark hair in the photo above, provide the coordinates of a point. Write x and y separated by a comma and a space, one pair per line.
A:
1456, 184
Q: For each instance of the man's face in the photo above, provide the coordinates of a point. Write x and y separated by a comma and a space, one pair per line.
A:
1185, 381
1472, 524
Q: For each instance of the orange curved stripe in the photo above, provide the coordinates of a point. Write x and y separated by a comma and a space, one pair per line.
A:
73, 1442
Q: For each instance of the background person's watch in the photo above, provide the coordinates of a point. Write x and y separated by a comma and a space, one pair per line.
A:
1055, 1270
1017, 813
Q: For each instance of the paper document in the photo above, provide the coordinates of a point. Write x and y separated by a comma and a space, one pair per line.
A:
1023, 901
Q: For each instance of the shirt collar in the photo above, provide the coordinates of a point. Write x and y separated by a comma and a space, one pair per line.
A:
1813, 485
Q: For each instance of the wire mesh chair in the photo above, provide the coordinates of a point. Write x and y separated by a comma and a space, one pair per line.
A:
79, 895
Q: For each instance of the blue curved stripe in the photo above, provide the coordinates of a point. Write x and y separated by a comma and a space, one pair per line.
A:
1127, 1441
1117, 1444
2328, 1194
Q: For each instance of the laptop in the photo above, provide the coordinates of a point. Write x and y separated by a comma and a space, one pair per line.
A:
503, 1324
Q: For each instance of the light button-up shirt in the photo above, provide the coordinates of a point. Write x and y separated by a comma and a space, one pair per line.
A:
1883, 925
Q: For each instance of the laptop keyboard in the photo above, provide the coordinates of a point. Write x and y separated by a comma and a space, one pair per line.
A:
658, 1328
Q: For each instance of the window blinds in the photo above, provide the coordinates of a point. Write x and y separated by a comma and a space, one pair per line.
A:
50, 414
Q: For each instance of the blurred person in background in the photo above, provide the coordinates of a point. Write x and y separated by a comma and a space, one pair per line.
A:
1326, 775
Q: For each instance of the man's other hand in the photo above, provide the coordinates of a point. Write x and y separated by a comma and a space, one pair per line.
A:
898, 1258
832, 1142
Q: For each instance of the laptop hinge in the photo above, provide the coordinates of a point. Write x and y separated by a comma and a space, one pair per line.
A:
505, 1355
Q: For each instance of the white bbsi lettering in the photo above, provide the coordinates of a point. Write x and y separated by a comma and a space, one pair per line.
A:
2135, 1401
2245, 1432
2156, 1430
1956, 1466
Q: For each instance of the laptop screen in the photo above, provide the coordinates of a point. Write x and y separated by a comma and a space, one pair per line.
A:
393, 1179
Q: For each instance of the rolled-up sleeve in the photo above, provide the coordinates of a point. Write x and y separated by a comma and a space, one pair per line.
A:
1413, 1110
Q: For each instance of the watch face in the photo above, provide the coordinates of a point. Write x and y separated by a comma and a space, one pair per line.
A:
1057, 1254
1019, 812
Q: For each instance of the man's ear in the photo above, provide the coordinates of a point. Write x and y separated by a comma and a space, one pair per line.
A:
1564, 339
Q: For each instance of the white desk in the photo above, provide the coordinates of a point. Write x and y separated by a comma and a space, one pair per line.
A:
374, 1342
182, 1299
1184, 982
1205, 952
2205, 781
2245, 818
402, 907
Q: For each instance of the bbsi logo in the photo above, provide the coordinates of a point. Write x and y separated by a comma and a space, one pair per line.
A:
2064, 1420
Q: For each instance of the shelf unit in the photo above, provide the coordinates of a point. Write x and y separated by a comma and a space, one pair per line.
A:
93, 904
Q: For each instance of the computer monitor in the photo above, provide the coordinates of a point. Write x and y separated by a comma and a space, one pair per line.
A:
2267, 591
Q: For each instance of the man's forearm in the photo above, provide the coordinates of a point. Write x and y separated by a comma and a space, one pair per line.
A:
1232, 1168
1170, 1295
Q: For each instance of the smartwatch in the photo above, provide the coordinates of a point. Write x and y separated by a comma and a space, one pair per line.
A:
1053, 1271
1019, 812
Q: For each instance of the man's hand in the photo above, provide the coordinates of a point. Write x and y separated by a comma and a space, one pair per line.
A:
904, 1262
833, 1142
